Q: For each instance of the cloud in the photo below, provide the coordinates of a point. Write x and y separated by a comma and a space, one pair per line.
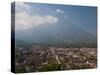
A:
24, 21
22, 6
59, 11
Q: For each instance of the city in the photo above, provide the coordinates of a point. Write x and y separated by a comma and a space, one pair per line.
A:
37, 59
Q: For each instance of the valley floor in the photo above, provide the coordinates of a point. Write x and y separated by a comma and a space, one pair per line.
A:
37, 59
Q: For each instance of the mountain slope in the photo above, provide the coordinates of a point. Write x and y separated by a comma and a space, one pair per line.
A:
62, 32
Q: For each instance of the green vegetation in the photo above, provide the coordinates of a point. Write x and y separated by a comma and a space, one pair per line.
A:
50, 67
64, 45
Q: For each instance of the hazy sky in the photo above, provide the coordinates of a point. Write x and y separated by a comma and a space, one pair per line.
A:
31, 15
